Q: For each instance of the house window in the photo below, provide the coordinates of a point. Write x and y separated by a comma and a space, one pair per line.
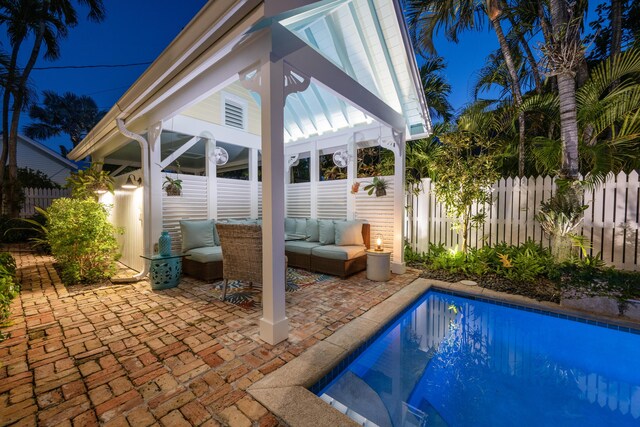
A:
234, 112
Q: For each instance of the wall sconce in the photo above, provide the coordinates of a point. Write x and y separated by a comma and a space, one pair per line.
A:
132, 182
378, 246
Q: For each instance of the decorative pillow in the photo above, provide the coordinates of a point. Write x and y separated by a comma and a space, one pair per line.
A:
327, 232
313, 231
301, 226
349, 233
290, 225
197, 233
216, 237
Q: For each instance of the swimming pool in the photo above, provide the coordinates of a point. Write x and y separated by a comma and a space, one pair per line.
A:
454, 361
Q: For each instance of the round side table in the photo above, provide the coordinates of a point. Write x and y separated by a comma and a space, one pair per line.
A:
378, 265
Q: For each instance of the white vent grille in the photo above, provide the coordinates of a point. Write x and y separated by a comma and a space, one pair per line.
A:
233, 114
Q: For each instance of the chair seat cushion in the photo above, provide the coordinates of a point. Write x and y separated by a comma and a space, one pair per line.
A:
205, 254
300, 246
343, 253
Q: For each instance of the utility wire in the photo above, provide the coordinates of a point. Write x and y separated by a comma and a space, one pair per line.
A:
66, 67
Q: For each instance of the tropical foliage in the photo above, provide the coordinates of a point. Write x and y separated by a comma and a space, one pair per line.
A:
68, 114
464, 170
90, 183
82, 239
34, 29
8, 285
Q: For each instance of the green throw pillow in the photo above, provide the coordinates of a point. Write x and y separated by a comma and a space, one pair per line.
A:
348, 233
301, 226
197, 233
290, 225
327, 232
313, 231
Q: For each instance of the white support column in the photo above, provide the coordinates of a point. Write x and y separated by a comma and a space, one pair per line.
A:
314, 177
398, 265
253, 180
352, 173
212, 181
155, 184
274, 325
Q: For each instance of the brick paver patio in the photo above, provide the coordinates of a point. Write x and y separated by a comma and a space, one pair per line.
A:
123, 355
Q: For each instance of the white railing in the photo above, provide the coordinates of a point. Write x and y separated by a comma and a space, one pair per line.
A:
610, 223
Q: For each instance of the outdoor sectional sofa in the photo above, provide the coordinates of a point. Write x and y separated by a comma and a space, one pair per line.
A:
335, 247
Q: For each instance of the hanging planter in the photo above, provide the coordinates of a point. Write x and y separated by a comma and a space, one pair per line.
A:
355, 187
377, 185
172, 186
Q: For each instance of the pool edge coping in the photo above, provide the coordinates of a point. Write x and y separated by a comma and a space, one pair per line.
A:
285, 392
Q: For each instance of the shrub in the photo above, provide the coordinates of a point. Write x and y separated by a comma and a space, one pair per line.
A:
8, 285
464, 170
82, 240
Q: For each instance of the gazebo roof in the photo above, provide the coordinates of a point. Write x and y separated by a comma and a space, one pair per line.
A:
366, 39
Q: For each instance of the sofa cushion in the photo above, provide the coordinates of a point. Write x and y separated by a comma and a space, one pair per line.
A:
348, 233
313, 230
216, 237
197, 233
300, 246
327, 232
206, 254
343, 253
301, 226
290, 225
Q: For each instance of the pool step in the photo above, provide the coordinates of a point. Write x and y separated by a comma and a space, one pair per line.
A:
348, 412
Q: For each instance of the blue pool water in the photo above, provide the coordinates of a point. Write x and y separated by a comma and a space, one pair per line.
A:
453, 361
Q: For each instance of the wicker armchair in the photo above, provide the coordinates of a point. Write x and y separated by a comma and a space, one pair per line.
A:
241, 253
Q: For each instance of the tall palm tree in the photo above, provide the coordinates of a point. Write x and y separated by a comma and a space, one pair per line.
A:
68, 114
47, 21
455, 16
436, 88
607, 119
562, 59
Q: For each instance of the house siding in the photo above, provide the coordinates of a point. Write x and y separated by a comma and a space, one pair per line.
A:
31, 157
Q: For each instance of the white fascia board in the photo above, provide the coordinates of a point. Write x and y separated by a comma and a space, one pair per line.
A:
215, 26
413, 67
205, 129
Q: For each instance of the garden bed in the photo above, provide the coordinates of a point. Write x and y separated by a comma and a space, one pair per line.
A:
529, 270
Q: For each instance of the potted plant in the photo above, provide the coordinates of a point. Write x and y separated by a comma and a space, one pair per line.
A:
379, 185
173, 186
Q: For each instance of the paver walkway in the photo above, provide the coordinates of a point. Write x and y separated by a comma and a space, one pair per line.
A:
122, 355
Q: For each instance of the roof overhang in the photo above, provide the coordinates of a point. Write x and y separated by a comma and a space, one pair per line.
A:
219, 30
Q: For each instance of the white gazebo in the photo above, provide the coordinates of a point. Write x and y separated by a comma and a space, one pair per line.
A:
244, 93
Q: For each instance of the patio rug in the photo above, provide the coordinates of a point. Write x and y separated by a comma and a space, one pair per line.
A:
240, 294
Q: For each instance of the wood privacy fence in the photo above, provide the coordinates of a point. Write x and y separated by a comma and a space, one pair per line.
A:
610, 223
40, 197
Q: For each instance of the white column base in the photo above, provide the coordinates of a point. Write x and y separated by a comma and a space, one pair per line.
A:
274, 333
398, 267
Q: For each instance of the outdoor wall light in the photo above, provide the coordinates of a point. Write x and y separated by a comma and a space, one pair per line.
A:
378, 247
132, 182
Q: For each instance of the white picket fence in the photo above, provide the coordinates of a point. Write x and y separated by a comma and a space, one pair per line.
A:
40, 197
610, 223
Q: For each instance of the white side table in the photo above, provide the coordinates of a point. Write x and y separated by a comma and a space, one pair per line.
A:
378, 265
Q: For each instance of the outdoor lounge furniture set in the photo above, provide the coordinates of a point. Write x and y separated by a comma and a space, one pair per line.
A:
335, 247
